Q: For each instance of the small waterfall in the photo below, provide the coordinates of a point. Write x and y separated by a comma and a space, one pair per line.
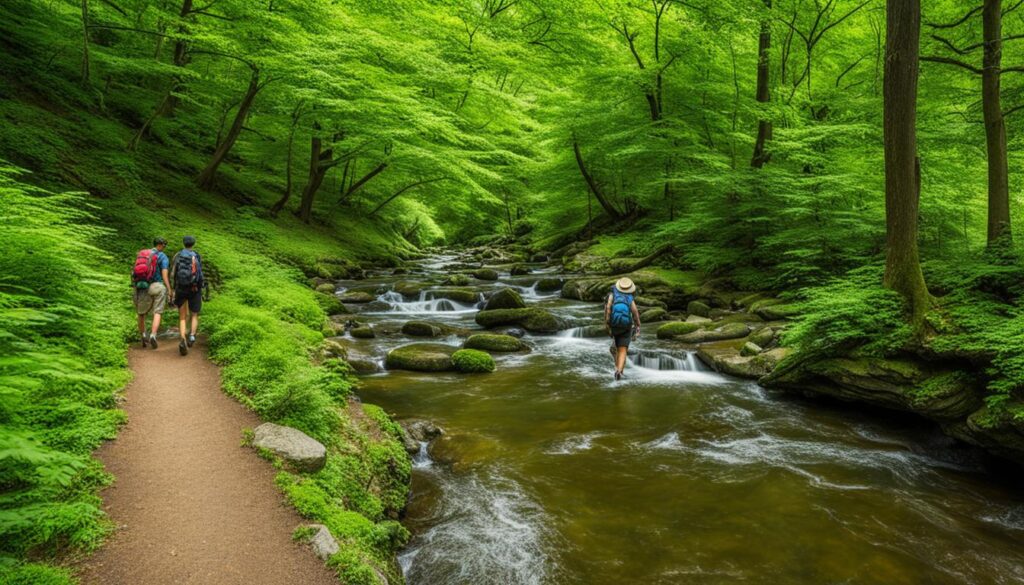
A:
656, 360
422, 458
426, 303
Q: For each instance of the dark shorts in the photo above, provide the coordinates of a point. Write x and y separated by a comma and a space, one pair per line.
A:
622, 337
194, 298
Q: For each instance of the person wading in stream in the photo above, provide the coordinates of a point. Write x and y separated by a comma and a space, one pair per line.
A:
187, 276
149, 279
622, 320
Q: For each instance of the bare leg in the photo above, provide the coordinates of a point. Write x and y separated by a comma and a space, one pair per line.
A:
620, 359
142, 325
195, 324
182, 316
156, 323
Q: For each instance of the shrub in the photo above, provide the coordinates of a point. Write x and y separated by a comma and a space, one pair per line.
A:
473, 361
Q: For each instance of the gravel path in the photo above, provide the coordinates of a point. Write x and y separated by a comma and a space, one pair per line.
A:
190, 503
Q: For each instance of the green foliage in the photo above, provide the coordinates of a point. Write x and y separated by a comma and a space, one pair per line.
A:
61, 361
851, 312
473, 361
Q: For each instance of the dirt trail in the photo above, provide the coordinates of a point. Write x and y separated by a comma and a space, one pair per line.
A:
190, 503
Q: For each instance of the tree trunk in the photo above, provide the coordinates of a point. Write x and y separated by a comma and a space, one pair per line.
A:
764, 127
995, 127
607, 205
902, 167
85, 42
319, 163
134, 143
206, 177
180, 55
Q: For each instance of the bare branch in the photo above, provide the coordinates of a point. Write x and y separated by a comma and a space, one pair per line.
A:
948, 61
956, 23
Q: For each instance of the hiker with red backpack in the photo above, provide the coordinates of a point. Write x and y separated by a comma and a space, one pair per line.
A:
149, 279
622, 321
187, 276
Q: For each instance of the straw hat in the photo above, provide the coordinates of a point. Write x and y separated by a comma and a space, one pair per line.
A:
625, 285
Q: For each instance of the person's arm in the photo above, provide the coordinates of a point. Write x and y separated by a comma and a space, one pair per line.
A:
167, 282
636, 316
607, 315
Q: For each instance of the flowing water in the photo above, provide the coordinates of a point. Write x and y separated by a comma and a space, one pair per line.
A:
550, 472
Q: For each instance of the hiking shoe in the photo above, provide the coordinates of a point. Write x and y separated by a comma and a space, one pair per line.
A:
191, 340
152, 341
145, 340
183, 347
618, 375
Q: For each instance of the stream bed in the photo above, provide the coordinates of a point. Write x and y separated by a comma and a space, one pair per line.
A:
551, 472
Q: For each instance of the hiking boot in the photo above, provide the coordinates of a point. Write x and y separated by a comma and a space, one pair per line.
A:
618, 375
152, 341
183, 347
191, 340
145, 340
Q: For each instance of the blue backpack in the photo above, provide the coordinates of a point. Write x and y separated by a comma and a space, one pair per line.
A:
621, 317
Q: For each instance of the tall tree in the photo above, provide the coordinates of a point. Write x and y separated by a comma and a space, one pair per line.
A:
902, 165
764, 125
991, 72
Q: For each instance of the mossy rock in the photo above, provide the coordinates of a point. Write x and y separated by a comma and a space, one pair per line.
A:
763, 302
750, 349
721, 333
459, 295
331, 304
326, 288
473, 361
505, 298
421, 329
698, 308
356, 296
778, 312
549, 284
456, 279
520, 270
421, 357
485, 274
531, 319
653, 315
746, 301
650, 302
362, 332
763, 336
494, 342
676, 328
408, 289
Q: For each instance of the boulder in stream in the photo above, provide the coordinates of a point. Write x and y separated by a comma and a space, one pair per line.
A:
457, 294
763, 336
725, 358
727, 331
326, 288
653, 315
456, 279
549, 284
331, 304
532, 319
295, 447
421, 329
496, 343
674, 329
750, 349
519, 270
698, 308
505, 298
408, 288
362, 332
777, 312
473, 361
485, 274
421, 357
356, 296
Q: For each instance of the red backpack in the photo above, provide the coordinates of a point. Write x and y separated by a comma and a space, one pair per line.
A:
145, 268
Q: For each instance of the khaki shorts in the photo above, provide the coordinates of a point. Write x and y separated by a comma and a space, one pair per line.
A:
151, 300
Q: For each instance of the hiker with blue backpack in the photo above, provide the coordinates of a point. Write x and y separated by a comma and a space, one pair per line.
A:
622, 320
187, 276
149, 280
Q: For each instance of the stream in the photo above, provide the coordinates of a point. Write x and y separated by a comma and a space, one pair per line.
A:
551, 472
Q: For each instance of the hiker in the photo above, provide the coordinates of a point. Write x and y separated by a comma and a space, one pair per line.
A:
149, 279
622, 320
187, 276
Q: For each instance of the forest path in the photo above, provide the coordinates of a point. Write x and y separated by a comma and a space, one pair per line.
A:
191, 504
